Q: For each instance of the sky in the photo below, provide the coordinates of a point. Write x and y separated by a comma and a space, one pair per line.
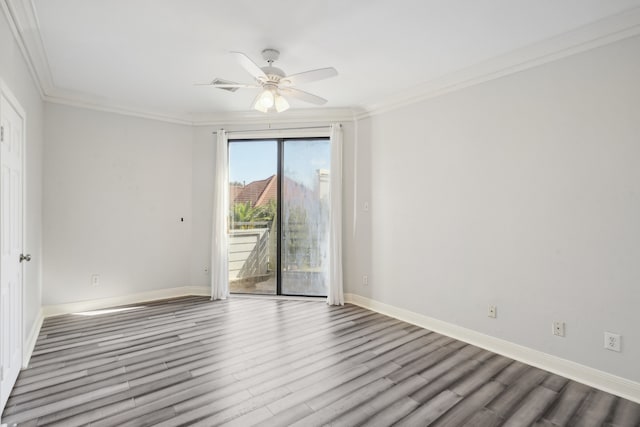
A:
254, 160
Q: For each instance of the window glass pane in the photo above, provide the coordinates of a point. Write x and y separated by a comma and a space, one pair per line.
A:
252, 216
305, 216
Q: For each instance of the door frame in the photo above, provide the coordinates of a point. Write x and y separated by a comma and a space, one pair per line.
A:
280, 140
5, 92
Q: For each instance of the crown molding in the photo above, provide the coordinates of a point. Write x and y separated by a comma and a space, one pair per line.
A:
605, 31
24, 24
307, 115
310, 115
297, 116
86, 102
26, 30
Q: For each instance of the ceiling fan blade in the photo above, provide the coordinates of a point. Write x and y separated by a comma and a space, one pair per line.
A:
309, 76
303, 96
250, 66
225, 85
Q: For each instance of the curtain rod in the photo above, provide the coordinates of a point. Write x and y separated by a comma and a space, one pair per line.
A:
262, 130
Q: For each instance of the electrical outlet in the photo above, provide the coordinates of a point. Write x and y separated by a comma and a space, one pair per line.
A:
558, 329
612, 341
95, 280
493, 311
206, 270
365, 280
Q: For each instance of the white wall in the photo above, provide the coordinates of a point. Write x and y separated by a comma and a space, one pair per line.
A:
15, 74
357, 231
115, 190
202, 195
522, 192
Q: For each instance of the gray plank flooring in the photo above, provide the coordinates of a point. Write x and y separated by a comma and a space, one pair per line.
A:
274, 362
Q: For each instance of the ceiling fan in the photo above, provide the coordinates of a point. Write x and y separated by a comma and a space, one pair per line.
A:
275, 84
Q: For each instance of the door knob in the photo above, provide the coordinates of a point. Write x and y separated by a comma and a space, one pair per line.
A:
24, 257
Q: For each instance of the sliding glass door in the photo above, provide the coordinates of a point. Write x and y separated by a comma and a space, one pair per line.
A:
305, 216
279, 216
253, 189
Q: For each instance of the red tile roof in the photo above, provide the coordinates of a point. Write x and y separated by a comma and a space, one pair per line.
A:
257, 193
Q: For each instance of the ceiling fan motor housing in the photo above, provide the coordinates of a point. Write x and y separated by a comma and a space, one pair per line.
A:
270, 55
273, 73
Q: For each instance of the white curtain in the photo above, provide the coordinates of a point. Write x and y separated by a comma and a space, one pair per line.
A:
335, 296
219, 241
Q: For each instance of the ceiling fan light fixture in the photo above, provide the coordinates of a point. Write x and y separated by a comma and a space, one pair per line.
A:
260, 107
266, 99
281, 104
271, 80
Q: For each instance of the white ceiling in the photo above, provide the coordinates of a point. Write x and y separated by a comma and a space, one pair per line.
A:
145, 55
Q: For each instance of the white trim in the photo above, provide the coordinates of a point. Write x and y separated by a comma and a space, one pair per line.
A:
275, 134
14, 102
57, 96
25, 27
31, 339
80, 306
293, 116
310, 115
26, 32
593, 377
24, 24
600, 33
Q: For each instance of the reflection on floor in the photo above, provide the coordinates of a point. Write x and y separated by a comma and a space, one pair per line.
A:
308, 283
263, 285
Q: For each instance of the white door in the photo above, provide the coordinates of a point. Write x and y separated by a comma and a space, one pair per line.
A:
11, 161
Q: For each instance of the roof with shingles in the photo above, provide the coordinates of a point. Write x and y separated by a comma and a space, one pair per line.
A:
257, 193
261, 192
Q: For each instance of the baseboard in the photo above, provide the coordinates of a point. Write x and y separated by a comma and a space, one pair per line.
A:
593, 377
30, 342
81, 306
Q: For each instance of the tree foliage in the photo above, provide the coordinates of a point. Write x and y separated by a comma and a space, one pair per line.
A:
246, 214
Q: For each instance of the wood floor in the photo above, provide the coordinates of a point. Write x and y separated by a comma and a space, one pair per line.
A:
248, 361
